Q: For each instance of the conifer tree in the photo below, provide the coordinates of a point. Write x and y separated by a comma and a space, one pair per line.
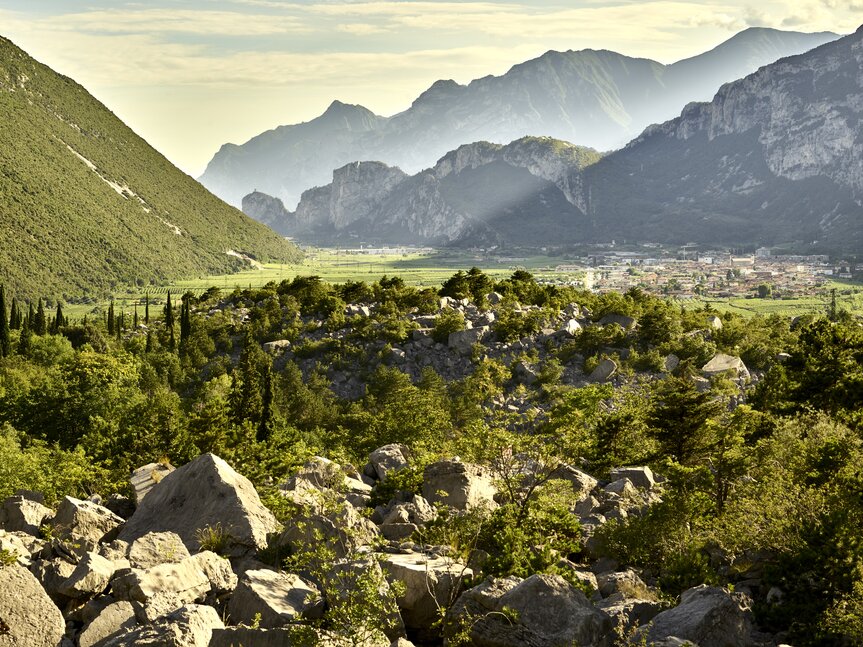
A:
40, 326
25, 339
15, 316
149, 346
169, 322
185, 319
147, 309
135, 318
111, 317
265, 426
59, 319
5, 342
31, 317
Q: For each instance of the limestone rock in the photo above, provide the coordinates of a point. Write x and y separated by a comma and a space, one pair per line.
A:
115, 619
190, 626
343, 531
52, 574
218, 571
145, 478
572, 327
90, 577
722, 363
641, 477
163, 587
21, 544
204, 493
626, 582
548, 611
279, 598
388, 458
156, 548
20, 514
248, 637
582, 482
604, 371
29, 617
462, 341
83, 525
625, 322
430, 583
708, 616
458, 485
278, 346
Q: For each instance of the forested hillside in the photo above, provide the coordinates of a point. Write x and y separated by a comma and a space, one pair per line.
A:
85, 204
751, 426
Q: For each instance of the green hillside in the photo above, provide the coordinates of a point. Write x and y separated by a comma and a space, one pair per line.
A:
86, 204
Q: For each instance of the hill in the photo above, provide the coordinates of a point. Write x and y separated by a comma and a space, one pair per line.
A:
86, 204
599, 99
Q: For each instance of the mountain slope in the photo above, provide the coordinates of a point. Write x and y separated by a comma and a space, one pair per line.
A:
85, 204
775, 158
598, 99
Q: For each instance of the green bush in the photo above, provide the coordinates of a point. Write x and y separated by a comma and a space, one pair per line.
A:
448, 322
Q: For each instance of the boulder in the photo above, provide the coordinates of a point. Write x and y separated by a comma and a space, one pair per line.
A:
543, 610
622, 488
430, 584
279, 598
114, 620
582, 482
572, 327
626, 582
604, 371
388, 458
204, 493
462, 341
164, 587
52, 574
459, 485
20, 514
21, 544
628, 614
90, 577
343, 530
670, 363
156, 548
190, 626
494, 298
278, 346
714, 322
145, 478
708, 616
625, 322
27, 615
641, 477
218, 571
248, 637
722, 363
83, 525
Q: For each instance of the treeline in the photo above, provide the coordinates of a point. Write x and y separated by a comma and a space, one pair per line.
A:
767, 489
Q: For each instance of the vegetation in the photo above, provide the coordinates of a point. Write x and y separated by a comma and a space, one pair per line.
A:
88, 205
765, 488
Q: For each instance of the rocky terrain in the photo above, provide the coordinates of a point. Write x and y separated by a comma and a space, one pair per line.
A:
598, 99
124, 572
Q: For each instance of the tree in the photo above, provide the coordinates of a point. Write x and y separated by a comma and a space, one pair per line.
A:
24, 341
111, 317
147, 309
765, 290
169, 322
265, 426
185, 318
59, 319
5, 343
679, 419
15, 316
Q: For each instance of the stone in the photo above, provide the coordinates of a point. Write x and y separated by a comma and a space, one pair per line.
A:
29, 617
343, 530
604, 371
545, 611
277, 347
120, 505
90, 577
525, 373
494, 298
582, 482
218, 571
83, 525
279, 598
572, 327
625, 322
204, 493
670, 363
641, 477
708, 616
462, 341
145, 478
52, 574
20, 514
388, 458
714, 322
722, 363
459, 485
248, 637
189, 626
622, 488
627, 613
21, 544
156, 548
163, 585
115, 619
430, 584
626, 582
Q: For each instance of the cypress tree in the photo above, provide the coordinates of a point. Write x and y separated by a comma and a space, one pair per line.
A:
31, 317
5, 342
135, 319
40, 327
185, 319
15, 315
147, 309
24, 339
149, 346
169, 322
59, 319
265, 426
111, 317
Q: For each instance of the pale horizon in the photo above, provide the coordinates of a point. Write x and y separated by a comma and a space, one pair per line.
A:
191, 76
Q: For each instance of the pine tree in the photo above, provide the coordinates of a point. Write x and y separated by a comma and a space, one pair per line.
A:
15, 315
147, 309
59, 319
185, 319
25, 339
5, 342
111, 317
265, 426
149, 346
135, 318
31, 317
40, 326
169, 322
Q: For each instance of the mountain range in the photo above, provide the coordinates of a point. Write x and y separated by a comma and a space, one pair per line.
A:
775, 158
598, 99
87, 205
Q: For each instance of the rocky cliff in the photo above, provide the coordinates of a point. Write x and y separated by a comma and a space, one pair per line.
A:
598, 99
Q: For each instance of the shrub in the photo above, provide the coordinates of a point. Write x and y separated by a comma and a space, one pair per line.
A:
448, 322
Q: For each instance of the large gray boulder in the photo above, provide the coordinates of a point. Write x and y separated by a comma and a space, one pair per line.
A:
83, 525
90, 577
624, 321
541, 611
279, 598
458, 485
146, 477
462, 341
721, 364
640, 477
604, 371
114, 620
205, 493
430, 584
29, 617
249, 637
156, 548
388, 458
20, 514
190, 626
708, 616
342, 530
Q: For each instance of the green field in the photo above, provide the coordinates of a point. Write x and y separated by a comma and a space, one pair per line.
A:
432, 268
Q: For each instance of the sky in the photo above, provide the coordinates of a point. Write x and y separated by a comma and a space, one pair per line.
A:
190, 76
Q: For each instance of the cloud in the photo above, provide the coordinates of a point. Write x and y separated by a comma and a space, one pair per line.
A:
361, 29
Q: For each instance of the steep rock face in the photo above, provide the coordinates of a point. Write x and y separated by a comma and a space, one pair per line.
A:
776, 157
599, 99
269, 211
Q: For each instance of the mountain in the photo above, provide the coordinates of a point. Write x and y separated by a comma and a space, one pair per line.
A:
522, 193
775, 158
86, 204
598, 99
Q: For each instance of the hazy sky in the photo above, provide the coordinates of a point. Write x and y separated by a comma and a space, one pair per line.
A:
190, 75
